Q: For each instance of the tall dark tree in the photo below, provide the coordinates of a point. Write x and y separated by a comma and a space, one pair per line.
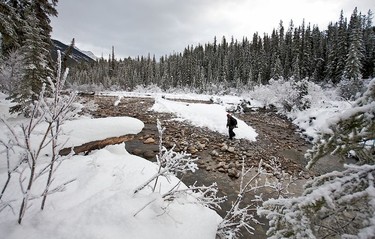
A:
342, 46
44, 9
318, 51
12, 24
26, 26
369, 45
36, 55
66, 55
13, 19
353, 64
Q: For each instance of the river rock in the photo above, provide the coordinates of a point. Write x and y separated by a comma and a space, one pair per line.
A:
231, 149
149, 154
149, 141
193, 150
214, 153
220, 165
222, 170
137, 152
224, 147
201, 146
233, 173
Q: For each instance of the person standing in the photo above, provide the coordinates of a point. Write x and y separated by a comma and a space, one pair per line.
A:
231, 124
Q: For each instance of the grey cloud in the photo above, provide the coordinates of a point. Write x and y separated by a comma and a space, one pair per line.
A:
135, 27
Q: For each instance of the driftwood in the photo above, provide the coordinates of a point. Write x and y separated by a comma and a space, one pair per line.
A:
98, 144
92, 93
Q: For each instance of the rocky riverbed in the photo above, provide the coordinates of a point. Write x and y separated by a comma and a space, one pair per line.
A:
219, 158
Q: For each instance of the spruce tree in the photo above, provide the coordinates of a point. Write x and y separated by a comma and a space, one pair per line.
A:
276, 70
10, 25
26, 26
352, 76
288, 52
350, 133
342, 48
36, 57
369, 45
319, 48
353, 63
66, 55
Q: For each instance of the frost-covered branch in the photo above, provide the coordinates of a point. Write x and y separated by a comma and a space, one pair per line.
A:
237, 218
241, 217
172, 163
58, 110
204, 195
10, 168
169, 163
334, 204
41, 132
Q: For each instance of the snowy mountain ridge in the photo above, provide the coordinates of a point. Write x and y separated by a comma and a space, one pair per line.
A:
76, 56
89, 54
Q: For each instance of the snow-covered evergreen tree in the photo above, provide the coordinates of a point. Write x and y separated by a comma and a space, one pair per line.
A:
342, 48
10, 26
369, 45
353, 64
35, 54
337, 204
25, 25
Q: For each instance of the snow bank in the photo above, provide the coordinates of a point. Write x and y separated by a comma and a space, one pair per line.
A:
212, 116
100, 204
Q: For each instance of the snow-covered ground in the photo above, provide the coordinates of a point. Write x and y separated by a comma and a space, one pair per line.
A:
212, 116
100, 203
325, 104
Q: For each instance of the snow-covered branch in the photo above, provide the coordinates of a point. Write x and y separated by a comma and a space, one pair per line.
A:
241, 217
172, 163
169, 163
204, 195
334, 204
40, 133
351, 133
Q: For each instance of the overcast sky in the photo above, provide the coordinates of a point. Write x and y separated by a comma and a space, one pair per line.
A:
161, 27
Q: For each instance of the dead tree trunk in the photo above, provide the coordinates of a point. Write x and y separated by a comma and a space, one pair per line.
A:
98, 144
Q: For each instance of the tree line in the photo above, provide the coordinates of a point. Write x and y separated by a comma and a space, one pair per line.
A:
345, 51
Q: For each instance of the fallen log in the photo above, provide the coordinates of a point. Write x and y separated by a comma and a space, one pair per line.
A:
92, 93
98, 144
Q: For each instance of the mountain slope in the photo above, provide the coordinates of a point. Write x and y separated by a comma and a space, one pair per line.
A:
75, 57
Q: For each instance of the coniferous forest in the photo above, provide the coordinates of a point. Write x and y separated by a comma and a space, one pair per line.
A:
345, 51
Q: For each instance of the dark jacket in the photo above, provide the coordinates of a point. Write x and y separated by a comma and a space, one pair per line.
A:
231, 122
